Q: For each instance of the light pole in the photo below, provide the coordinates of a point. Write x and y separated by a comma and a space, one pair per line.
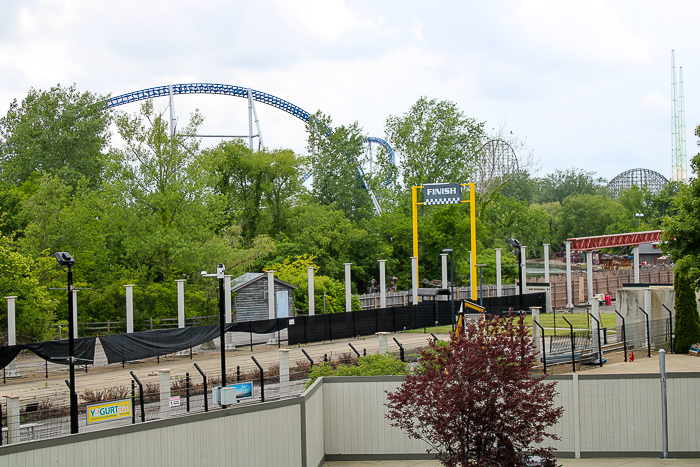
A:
65, 259
639, 216
481, 284
220, 273
516, 246
452, 285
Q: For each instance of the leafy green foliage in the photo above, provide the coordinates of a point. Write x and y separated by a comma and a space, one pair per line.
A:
368, 365
296, 273
61, 131
437, 142
687, 328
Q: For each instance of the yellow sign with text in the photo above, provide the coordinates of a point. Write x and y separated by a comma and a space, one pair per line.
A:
108, 411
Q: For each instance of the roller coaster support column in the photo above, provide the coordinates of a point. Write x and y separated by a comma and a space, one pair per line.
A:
228, 310
310, 272
11, 334
348, 288
636, 263
523, 275
546, 262
499, 284
414, 280
250, 118
382, 283
444, 270
589, 273
129, 308
172, 111
569, 303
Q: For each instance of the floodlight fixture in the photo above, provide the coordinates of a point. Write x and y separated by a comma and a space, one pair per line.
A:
514, 243
64, 258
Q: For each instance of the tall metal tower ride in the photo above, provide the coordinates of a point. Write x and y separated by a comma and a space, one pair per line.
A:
679, 158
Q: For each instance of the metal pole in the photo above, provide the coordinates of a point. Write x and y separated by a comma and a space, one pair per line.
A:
204, 376
600, 349
648, 333
481, 285
262, 379
544, 351
670, 322
569, 298
573, 345
624, 333
452, 289
520, 273
71, 356
499, 287
143, 409
664, 401
222, 330
250, 119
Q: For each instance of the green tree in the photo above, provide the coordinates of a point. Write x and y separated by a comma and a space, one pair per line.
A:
687, 318
561, 184
252, 181
335, 155
296, 273
35, 308
60, 131
436, 141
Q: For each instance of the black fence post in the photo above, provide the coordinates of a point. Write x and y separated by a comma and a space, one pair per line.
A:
401, 352
187, 390
648, 332
309, 357
670, 323
544, 350
8, 434
435, 337
600, 349
133, 402
354, 349
238, 374
206, 397
262, 379
624, 333
143, 409
573, 344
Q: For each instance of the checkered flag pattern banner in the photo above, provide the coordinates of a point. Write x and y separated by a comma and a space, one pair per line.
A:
443, 193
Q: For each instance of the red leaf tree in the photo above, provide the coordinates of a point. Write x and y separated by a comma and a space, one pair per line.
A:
474, 401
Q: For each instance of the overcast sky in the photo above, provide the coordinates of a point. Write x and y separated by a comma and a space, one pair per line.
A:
587, 84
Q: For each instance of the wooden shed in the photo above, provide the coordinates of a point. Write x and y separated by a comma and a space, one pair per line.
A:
250, 300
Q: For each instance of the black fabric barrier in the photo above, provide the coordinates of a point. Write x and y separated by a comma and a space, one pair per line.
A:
52, 351
367, 322
146, 344
502, 305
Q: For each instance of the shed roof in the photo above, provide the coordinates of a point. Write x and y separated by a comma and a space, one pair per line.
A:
248, 278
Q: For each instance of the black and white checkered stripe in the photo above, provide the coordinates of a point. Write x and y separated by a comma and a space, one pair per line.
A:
432, 201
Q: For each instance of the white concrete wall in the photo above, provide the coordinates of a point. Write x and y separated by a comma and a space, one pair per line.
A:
354, 417
604, 416
315, 450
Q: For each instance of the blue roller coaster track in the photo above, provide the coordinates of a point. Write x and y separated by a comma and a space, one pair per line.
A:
228, 90
238, 91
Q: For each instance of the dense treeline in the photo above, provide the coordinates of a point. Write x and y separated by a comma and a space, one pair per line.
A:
156, 207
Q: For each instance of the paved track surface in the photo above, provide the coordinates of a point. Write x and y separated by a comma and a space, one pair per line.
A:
114, 375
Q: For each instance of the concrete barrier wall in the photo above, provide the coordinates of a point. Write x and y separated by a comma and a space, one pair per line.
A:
314, 423
345, 418
355, 419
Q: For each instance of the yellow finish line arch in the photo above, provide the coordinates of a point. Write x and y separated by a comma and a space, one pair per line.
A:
472, 212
